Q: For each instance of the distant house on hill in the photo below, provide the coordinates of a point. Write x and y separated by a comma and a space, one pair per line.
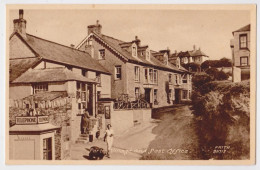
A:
193, 56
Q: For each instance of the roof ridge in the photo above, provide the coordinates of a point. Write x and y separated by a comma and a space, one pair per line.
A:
114, 38
56, 43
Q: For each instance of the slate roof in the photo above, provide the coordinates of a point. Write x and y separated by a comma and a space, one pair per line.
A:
245, 28
50, 75
19, 66
62, 54
192, 53
46, 95
116, 45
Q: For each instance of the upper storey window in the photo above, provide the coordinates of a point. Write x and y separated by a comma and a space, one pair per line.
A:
243, 41
147, 55
134, 50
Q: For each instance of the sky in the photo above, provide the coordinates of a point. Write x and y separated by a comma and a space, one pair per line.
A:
209, 30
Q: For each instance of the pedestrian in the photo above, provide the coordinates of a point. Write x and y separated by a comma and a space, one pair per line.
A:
85, 122
109, 137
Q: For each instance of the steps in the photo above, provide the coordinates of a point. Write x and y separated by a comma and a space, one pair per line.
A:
83, 139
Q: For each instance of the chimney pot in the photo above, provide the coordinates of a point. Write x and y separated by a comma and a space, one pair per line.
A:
20, 24
194, 47
20, 13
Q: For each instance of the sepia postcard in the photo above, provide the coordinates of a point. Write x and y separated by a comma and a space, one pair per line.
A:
131, 84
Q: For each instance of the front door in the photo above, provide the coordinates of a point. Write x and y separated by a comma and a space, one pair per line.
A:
177, 96
147, 95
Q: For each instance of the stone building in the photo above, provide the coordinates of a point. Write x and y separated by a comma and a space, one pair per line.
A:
240, 46
137, 71
47, 78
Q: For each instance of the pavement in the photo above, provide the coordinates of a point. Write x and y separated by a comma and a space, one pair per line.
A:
127, 146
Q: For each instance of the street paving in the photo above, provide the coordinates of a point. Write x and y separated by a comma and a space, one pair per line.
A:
174, 130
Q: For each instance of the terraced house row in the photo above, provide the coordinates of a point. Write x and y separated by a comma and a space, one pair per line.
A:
138, 71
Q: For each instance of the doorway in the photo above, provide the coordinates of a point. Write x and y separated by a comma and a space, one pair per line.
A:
147, 95
177, 96
90, 100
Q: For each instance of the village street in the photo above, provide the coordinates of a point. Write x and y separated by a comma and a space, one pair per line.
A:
170, 137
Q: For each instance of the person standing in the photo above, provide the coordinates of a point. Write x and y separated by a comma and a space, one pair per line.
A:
109, 137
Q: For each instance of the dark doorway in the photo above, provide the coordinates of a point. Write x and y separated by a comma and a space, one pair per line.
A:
147, 93
177, 96
90, 100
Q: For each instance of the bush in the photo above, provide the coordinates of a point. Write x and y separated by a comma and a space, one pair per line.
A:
215, 74
223, 109
223, 62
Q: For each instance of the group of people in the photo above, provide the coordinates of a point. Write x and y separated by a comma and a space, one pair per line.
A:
109, 134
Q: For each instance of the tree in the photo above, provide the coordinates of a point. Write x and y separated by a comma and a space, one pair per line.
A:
193, 67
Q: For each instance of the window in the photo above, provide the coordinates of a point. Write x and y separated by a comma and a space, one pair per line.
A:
118, 72
98, 78
243, 61
155, 75
176, 79
83, 72
170, 78
189, 94
102, 54
243, 41
134, 51
155, 101
170, 94
146, 75
81, 95
137, 93
184, 79
41, 87
147, 55
151, 75
98, 95
185, 94
137, 73
47, 149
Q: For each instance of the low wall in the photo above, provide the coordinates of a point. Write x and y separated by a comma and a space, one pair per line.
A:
122, 120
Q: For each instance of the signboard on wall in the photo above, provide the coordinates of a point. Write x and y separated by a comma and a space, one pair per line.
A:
107, 112
27, 120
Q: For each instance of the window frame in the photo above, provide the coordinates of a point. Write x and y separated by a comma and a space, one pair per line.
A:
246, 44
41, 87
243, 58
137, 73
100, 56
118, 67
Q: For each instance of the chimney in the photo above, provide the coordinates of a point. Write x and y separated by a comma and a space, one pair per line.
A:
95, 28
194, 47
20, 24
137, 41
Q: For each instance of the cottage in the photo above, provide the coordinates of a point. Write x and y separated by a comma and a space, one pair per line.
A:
47, 78
138, 73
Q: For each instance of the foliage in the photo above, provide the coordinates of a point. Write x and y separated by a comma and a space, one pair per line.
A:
222, 110
216, 74
193, 67
223, 62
